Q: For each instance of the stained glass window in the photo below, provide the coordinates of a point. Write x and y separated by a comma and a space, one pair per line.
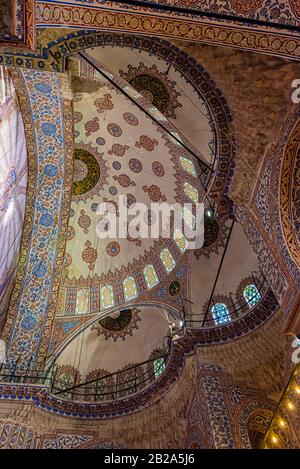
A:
167, 260
191, 192
187, 165
107, 296
150, 276
82, 301
159, 366
251, 295
130, 290
220, 314
180, 240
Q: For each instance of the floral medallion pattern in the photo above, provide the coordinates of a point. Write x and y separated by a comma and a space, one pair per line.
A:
215, 235
158, 169
104, 103
70, 233
154, 193
84, 222
90, 172
114, 130
118, 149
124, 180
118, 325
155, 86
91, 126
146, 142
135, 165
130, 119
89, 255
113, 249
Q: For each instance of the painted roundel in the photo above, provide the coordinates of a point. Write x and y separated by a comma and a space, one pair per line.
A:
78, 116
114, 130
117, 321
90, 172
174, 288
86, 172
113, 249
135, 165
113, 190
153, 89
130, 200
158, 169
116, 165
130, 119
155, 86
100, 141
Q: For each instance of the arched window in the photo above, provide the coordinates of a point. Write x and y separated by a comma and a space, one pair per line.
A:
159, 366
189, 218
167, 260
150, 276
220, 314
82, 301
107, 296
180, 240
130, 290
191, 192
251, 295
187, 165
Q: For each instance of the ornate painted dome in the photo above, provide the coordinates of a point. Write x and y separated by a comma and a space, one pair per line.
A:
122, 158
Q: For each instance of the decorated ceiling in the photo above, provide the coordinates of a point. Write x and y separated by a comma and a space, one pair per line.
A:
263, 26
116, 155
94, 304
122, 158
168, 89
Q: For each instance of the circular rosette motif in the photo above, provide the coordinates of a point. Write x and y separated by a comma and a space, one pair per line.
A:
90, 172
155, 86
118, 324
114, 130
89, 255
113, 249
135, 165
158, 169
215, 235
174, 288
130, 119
